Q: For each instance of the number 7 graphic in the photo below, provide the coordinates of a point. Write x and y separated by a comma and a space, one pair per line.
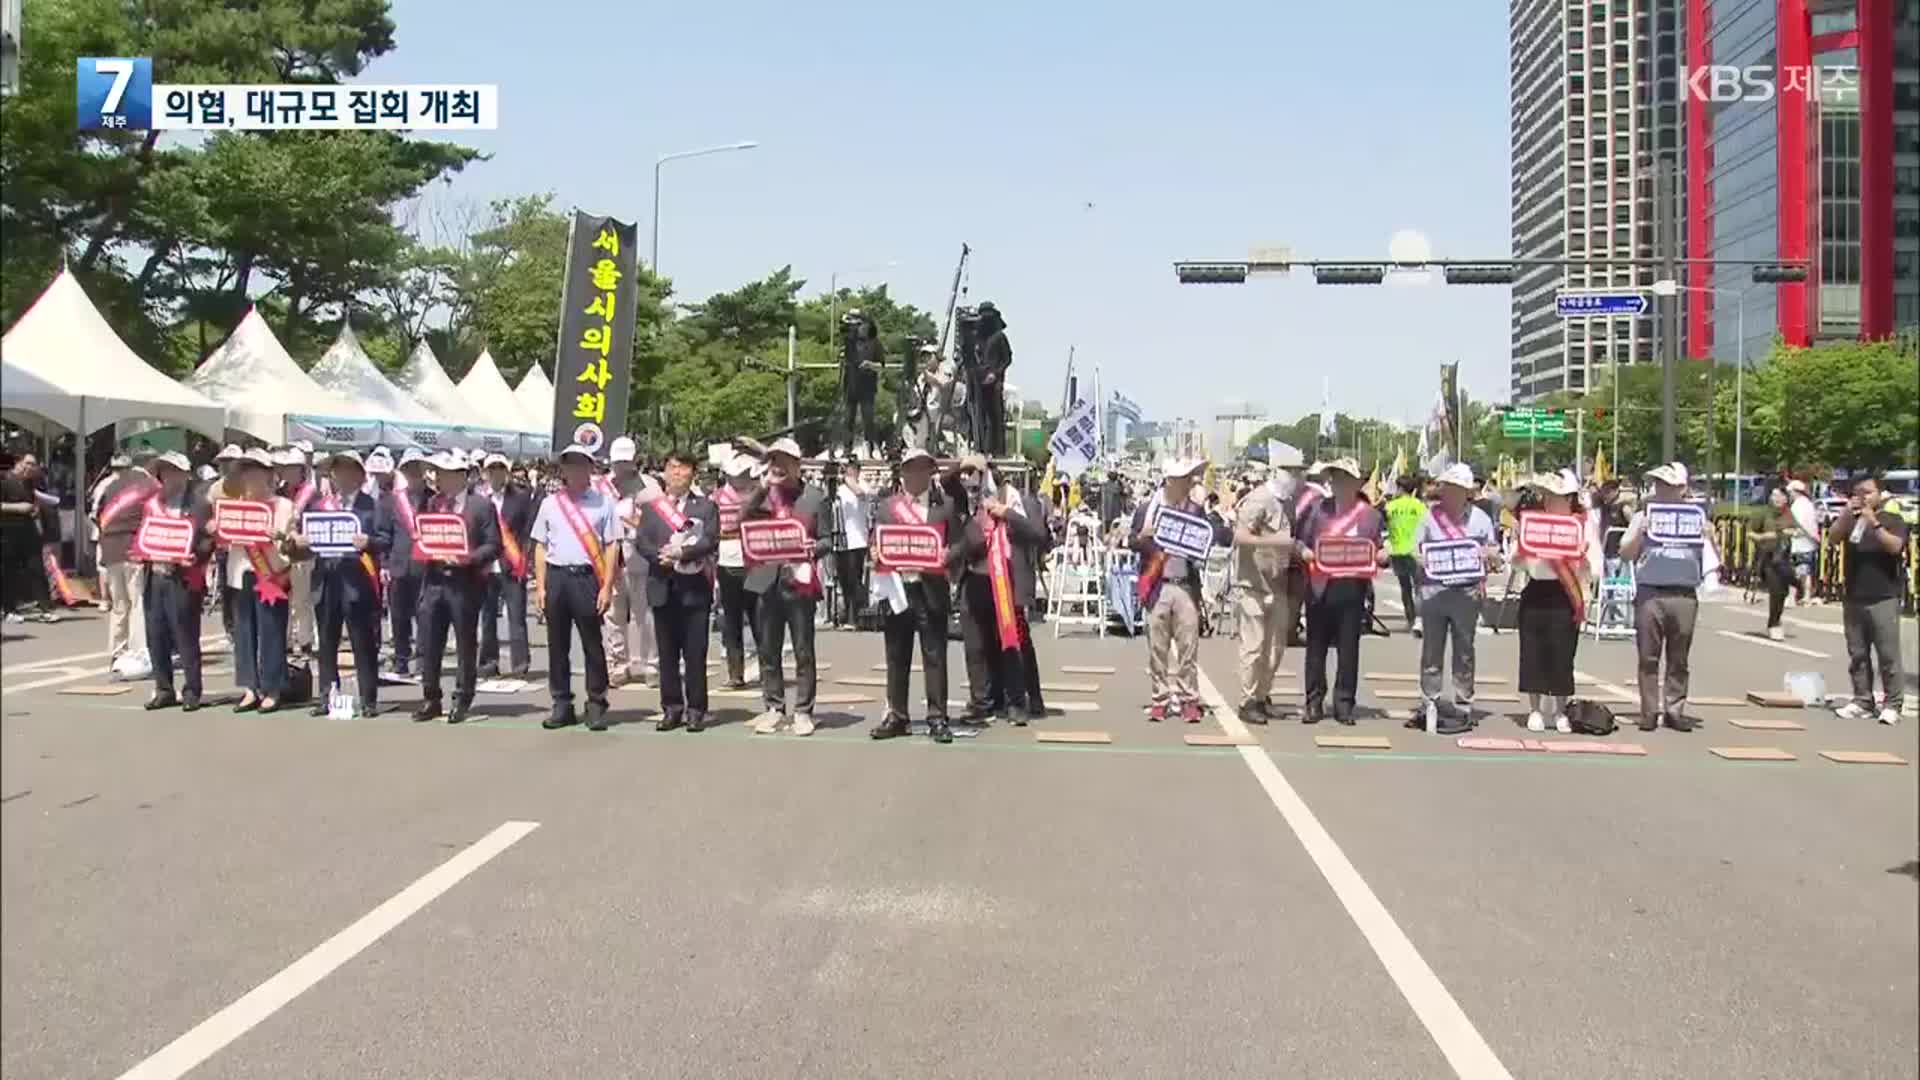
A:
122, 72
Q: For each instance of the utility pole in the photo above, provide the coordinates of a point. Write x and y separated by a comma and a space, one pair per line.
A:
1666, 195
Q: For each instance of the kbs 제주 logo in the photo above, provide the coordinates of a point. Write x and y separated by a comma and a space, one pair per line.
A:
114, 93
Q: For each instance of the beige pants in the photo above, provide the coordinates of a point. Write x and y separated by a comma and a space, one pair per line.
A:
300, 627
1173, 646
627, 631
127, 611
1265, 620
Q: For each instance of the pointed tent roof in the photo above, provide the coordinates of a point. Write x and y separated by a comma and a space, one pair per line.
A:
348, 371
62, 362
252, 374
536, 397
427, 383
489, 392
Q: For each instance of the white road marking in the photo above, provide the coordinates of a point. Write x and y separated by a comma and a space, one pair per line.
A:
1458, 1039
1781, 645
73, 673
1805, 624
216, 1031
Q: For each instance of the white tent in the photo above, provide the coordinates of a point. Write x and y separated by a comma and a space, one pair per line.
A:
348, 371
487, 389
536, 397
254, 377
427, 383
62, 363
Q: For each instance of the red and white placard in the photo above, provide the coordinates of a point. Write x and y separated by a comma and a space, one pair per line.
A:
238, 521
440, 536
1552, 536
1346, 557
164, 539
909, 547
775, 540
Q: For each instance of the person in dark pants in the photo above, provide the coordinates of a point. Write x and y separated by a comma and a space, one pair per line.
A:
737, 605
1336, 606
1003, 680
398, 504
576, 554
346, 590
176, 592
507, 581
678, 535
850, 542
19, 536
789, 593
1875, 540
452, 591
986, 390
918, 602
1405, 512
1666, 603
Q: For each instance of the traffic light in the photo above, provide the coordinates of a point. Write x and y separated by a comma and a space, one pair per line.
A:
1489, 274
1778, 275
1211, 273
1350, 274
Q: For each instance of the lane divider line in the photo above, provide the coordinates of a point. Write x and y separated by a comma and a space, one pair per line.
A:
1771, 644
215, 1032
1459, 1041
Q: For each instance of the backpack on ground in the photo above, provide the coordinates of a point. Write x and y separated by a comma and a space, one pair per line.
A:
1591, 718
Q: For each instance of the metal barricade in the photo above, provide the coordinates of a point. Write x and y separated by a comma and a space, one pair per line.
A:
1610, 611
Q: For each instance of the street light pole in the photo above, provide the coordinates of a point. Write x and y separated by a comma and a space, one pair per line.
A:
747, 144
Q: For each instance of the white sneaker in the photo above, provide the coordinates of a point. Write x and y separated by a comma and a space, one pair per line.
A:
1776, 633
1562, 725
1889, 716
769, 722
802, 723
1536, 722
1852, 711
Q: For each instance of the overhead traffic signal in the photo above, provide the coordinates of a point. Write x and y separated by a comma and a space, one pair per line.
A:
1488, 274
1349, 274
1211, 273
1778, 275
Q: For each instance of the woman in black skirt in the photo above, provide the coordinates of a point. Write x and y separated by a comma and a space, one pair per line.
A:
1551, 609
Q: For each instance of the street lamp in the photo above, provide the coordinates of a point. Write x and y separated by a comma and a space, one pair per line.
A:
663, 159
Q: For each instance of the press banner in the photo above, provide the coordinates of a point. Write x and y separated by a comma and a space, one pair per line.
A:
594, 355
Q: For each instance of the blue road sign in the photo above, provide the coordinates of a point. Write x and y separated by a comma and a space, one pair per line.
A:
1579, 305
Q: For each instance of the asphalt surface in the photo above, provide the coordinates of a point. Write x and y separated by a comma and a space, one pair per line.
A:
730, 905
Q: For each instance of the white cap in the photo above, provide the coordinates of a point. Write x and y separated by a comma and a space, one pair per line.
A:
230, 452
119, 461
1178, 467
1556, 483
1346, 465
452, 460
1459, 474
412, 454
380, 461
258, 456
497, 459
207, 472
289, 455
1671, 473
576, 450
174, 459
302, 445
622, 449
739, 465
918, 453
785, 445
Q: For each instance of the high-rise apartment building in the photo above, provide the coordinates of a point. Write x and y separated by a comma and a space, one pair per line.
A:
1597, 98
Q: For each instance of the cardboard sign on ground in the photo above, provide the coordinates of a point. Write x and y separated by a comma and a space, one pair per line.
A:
1774, 699
1751, 753
1752, 724
1352, 742
1863, 757
1077, 737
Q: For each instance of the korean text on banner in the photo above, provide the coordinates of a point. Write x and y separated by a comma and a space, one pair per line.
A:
774, 540
595, 353
908, 547
330, 533
441, 536
1679, 524
237, 521
1453, 562
164, 539
1553, 536
1075, 443
1346, 557
1184, 534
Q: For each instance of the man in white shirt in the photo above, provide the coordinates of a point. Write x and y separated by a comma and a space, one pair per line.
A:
1803, 548
628, 630
850, 555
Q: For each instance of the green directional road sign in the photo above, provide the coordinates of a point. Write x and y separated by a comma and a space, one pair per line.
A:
1543, 425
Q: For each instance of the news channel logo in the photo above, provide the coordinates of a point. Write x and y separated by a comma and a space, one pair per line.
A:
117, 93
114, 93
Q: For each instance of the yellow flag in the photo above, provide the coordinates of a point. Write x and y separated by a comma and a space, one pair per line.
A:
1206, 482
1600, 465
1046, 482
1372, 487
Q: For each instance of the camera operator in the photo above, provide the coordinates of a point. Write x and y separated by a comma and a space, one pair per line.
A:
861, 357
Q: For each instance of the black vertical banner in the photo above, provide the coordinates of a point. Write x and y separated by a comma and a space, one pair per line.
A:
593, 365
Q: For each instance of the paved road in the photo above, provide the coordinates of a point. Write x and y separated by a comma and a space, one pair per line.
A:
731, 905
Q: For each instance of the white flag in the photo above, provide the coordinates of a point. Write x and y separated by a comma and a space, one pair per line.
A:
1328, 428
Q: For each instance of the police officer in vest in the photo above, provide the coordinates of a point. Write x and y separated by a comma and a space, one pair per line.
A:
399, 503
1667, 579
175, 591
453, 589
346, 588
507, 578
678, 535
915, 602
789, 593
576, 558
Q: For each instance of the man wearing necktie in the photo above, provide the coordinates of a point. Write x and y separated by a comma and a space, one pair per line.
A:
453, 591
679, 533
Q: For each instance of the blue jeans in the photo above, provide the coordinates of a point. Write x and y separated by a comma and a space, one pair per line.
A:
259, 641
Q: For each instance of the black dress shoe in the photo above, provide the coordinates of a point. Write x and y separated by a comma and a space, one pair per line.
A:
891, 727
1313, 715
318, 708
489, 671
940, 731
369, 709
268, 706
1254, 712
190, 702
459, 713
426, 710
400, 668
669, 720
736, 684
596, 716
1343, 717
249, 706
1650, 723
696, 721
560, 718
520, 672
1680, 722
162, 699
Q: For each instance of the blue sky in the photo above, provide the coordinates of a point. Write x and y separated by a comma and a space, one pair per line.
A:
893, 132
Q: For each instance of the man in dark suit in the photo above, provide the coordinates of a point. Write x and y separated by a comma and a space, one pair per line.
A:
507, 578
788, 592
395, 510
917, 602
346, 589
1003, 674
175, 592
678, 535
453, 589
